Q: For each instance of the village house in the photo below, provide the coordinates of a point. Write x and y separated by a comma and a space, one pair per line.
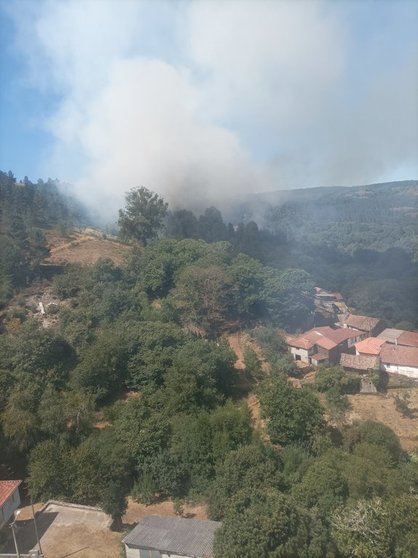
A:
399, 337
171, 537
399, 359
327, 307
370, 346
322, 345
370, 326
9, 499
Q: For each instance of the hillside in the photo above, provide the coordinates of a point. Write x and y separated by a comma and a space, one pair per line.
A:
84, 246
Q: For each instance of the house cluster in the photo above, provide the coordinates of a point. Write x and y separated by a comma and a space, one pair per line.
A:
359, 344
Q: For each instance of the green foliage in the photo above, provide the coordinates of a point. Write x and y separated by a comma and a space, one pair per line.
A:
293, 415
102, 370
402, 404
143, 216
251, 468
377, 434
265, 523
324, 485
202, 298
362, 530
49, 471
157, 345
252, 364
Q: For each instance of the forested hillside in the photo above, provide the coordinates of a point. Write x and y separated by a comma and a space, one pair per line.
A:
135, 391
26, 210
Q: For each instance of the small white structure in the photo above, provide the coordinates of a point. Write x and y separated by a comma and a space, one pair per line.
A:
171, 537
9, 499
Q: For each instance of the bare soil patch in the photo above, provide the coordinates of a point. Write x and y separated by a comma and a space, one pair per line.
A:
84, 247
137, 511
68, 531
382, 408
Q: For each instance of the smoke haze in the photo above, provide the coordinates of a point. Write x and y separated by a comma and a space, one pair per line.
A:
201, 101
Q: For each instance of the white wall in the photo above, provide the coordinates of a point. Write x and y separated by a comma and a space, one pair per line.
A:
303, 353
134, 553
410, 371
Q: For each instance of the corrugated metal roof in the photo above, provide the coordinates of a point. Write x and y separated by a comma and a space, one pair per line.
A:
7, 487
189, 537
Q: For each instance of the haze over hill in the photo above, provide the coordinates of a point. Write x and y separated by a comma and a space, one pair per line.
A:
201, 101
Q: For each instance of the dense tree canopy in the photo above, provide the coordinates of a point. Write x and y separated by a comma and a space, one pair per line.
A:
143, 216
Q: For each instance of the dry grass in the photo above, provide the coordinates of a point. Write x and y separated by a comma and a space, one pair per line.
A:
136, 511
85, 248
382, 408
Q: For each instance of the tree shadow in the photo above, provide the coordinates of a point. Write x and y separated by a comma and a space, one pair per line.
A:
25, 532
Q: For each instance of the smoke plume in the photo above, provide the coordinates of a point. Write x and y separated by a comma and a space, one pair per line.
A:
204, 100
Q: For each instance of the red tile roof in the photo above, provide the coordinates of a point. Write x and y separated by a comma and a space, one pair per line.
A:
319, 356
364, 323
409, 338
7, 488
325, 337
370, 346
399, 355
337, 335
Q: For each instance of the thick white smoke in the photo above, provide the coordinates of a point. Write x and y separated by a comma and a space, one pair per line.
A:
203, 100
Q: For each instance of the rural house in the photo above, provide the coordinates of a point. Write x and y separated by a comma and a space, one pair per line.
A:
327, 307
9, 499
171, 537
399, 359
323, 344
370, 346
369, 326
399, 337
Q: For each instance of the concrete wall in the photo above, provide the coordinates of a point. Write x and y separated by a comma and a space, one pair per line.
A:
303, 353
410, 371
9, 506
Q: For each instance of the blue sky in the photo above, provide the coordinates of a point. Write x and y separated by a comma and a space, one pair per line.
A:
208, 97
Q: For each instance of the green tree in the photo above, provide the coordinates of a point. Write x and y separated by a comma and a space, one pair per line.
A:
265, 523
49, 471
202, 297
143, 216
362, 529
251, 467
293, 415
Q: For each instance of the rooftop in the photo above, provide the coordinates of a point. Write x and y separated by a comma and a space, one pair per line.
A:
364, 323
325, 337
390, 334
409, 338
370, 346
189, 537
399, 354
7, 487
359, 362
